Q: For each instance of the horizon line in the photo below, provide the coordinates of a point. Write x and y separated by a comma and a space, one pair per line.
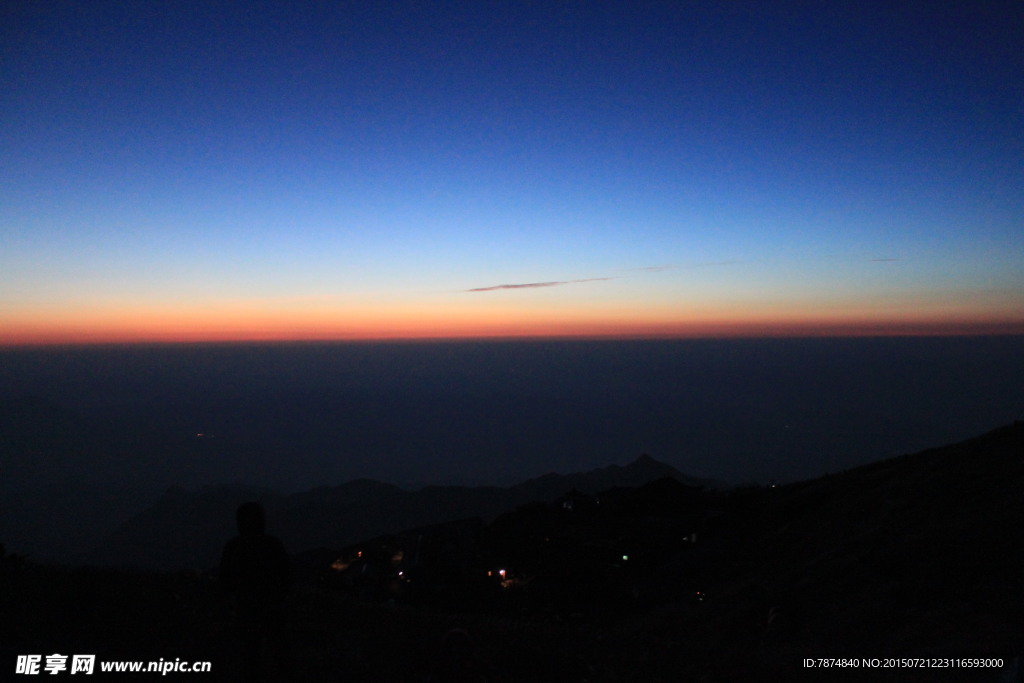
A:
825, 332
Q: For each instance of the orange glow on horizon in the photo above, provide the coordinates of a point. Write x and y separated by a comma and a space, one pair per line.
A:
217, 326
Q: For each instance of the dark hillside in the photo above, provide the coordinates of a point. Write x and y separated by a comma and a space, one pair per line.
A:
915, 557
185, 530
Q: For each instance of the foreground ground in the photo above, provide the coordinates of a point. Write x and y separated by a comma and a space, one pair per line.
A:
916, 557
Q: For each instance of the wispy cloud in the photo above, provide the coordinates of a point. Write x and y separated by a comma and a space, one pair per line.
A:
559, 283
533, 285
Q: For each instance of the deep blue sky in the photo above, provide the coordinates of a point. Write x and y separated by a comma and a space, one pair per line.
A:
223, 170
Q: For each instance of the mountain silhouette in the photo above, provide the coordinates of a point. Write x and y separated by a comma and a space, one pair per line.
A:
642, 470
185, 530
916, 557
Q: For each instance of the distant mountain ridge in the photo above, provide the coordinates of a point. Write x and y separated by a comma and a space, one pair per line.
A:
637, 473
186, 530
915, 557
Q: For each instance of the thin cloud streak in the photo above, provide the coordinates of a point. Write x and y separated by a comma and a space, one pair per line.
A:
533, 285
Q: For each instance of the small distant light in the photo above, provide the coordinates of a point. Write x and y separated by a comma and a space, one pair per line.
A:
625, 558
502, 573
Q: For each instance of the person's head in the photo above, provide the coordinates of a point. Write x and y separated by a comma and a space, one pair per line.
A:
251, 520
458, 646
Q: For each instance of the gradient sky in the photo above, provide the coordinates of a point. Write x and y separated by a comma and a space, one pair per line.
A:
224, 170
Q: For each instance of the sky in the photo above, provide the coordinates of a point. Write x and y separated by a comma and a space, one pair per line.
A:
214, 171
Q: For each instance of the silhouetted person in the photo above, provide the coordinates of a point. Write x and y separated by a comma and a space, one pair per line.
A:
255, 570
458, 661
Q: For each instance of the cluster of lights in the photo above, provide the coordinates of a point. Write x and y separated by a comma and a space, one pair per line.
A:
506, 581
